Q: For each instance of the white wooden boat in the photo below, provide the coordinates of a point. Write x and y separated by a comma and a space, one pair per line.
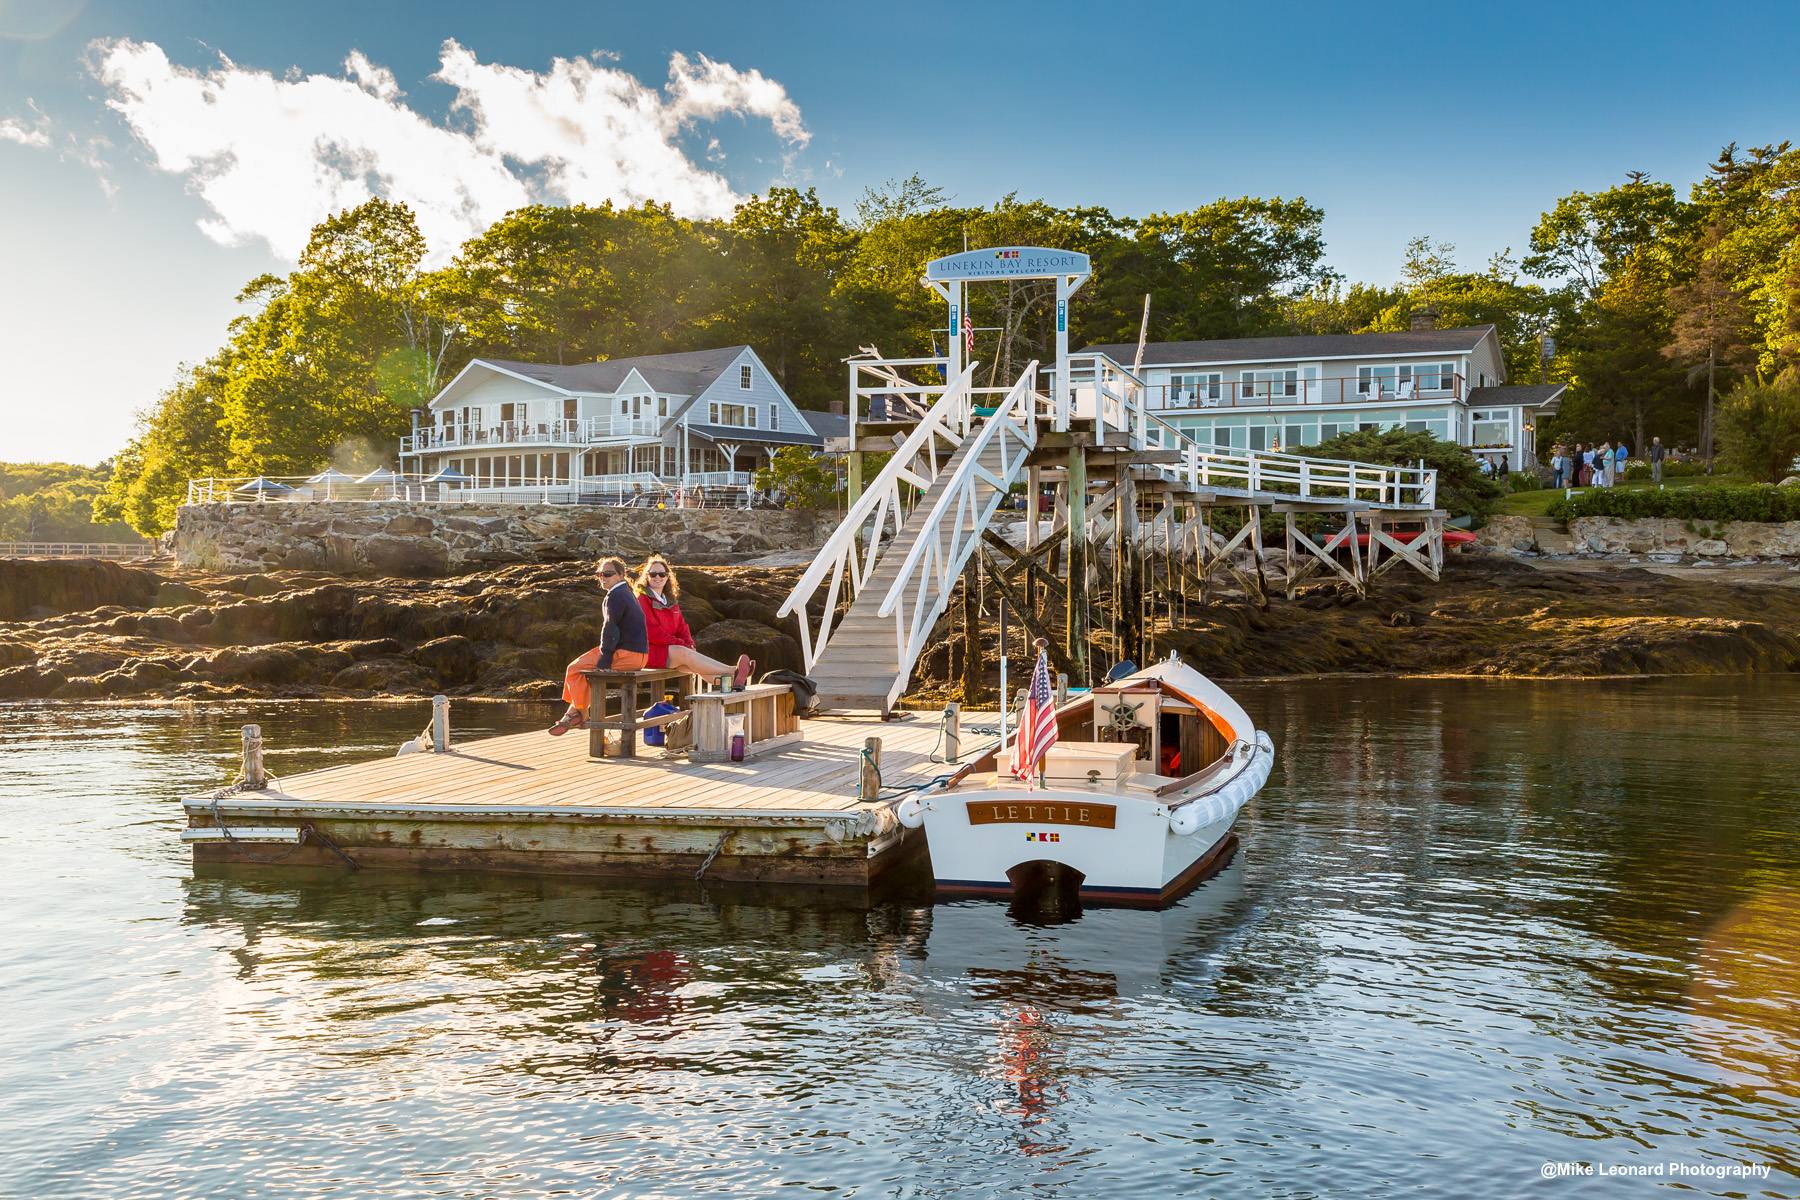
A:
1118, 816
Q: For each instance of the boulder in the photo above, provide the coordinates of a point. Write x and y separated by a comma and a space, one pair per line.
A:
384, 554
451, 658
29, 683
390, 674
1511, 532
772, 649
174, 595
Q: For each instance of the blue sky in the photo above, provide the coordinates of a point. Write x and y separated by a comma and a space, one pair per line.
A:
1462, 122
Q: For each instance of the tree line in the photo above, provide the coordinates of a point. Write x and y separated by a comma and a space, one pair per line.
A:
1657, 303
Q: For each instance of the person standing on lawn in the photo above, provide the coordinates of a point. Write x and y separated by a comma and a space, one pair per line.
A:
1620, 455
624, 645
1658, 452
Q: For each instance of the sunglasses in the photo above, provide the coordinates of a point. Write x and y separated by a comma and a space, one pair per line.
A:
609, 574
658, 575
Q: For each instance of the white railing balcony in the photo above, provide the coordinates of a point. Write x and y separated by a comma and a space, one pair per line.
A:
1268, 393
585, 431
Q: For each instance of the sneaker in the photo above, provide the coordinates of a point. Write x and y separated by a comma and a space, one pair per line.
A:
742, 676
573, 719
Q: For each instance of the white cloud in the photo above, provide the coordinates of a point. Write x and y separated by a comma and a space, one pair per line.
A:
272, 157
36, 135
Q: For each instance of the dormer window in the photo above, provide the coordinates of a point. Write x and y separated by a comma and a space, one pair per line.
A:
744, 376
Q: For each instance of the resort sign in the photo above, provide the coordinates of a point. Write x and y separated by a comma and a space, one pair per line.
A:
1006, 262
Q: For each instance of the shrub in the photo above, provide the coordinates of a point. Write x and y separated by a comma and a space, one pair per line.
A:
1703, 502
1523, 481
1759, 429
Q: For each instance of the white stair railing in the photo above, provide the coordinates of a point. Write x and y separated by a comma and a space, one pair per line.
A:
950, 533
845, 558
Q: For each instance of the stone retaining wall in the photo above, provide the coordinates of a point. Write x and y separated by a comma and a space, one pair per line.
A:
1646, 535
403, 538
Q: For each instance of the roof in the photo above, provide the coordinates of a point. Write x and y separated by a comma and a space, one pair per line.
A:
742, 435
1528, 395
826, 424
1310, 346
685, 374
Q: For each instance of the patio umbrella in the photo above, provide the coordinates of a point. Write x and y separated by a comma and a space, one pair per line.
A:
449, 475
380, 475
330, 477
263, 487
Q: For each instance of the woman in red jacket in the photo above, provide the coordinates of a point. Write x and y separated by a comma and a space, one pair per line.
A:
671, 643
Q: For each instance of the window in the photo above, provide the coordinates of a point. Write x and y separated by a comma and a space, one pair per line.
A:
1270, 385
562, 468
732, 414
744, 376
1188, 391
1491, 427
1406, 380
713, 413
512, 412
569, 408
662, 406
772, 421
668, 462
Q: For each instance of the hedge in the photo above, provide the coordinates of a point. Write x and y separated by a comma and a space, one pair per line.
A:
1701, 502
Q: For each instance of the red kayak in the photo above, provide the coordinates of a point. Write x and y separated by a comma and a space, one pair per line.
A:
1452, 537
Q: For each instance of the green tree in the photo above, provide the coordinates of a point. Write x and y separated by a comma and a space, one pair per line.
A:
1589, 238
1759, 428
1707, 333
804, 479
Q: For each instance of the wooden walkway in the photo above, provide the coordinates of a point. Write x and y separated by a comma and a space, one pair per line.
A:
530, 802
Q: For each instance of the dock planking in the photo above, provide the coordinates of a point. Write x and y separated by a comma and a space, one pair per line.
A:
530, 802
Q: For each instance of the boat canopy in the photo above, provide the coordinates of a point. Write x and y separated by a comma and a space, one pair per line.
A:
1176, 677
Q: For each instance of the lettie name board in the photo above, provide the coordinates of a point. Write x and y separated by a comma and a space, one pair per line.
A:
1007, 262
1039, 812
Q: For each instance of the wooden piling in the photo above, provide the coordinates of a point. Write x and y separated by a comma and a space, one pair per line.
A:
1075, 634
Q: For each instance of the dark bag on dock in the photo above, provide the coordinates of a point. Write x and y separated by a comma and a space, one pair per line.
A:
805, 690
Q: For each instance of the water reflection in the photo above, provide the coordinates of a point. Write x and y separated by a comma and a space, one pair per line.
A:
1470, 927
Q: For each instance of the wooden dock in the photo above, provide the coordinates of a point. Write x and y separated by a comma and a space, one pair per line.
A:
532, 803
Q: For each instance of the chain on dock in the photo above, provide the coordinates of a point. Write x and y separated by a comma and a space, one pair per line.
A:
307, 830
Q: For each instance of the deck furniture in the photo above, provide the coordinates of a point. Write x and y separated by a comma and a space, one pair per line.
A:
626, 722
769, 721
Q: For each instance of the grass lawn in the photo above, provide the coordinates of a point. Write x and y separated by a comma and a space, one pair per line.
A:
1537, 504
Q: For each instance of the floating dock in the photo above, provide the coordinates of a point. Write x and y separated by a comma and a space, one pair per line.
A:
533, 803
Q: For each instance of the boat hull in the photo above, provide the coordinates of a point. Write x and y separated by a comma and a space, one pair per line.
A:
1123, 847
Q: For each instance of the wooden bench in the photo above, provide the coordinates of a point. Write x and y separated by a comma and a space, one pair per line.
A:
626, 722
769, 720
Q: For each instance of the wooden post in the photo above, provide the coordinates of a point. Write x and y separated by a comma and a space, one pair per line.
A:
971, 653
952, 732
1075, 635
855, 472
1062, 690
254, 775
869, 779
440, 724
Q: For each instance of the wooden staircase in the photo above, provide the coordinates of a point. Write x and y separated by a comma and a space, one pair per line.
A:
858, 668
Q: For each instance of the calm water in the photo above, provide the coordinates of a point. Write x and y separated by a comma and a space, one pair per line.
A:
1472, 928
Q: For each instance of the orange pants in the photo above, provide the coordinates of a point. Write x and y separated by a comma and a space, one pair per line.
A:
575, 685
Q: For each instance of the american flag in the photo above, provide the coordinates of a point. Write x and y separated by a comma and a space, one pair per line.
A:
1037, 725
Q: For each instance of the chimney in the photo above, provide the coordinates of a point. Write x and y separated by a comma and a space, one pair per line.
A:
1424, 318
837, 408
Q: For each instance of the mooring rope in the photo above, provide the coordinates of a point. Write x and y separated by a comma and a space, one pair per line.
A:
307, 829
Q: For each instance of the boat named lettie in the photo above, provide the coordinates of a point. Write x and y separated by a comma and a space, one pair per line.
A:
1117, 816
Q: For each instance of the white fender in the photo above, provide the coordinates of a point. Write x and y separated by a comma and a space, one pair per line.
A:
910, 812
1236, 792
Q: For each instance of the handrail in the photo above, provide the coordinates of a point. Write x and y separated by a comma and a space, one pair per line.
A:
1314, 477
931, 567
948, 419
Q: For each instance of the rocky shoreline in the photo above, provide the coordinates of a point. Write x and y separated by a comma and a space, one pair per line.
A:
86, 630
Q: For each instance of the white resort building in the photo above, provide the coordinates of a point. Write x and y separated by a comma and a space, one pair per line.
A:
607, 430
1281, 393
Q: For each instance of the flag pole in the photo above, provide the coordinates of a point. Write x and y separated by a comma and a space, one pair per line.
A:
1005, 701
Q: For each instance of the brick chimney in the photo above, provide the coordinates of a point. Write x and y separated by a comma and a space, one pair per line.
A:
837, 408
1424, 318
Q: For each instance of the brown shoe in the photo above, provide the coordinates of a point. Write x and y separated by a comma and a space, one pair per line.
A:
742, 676
573, 719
